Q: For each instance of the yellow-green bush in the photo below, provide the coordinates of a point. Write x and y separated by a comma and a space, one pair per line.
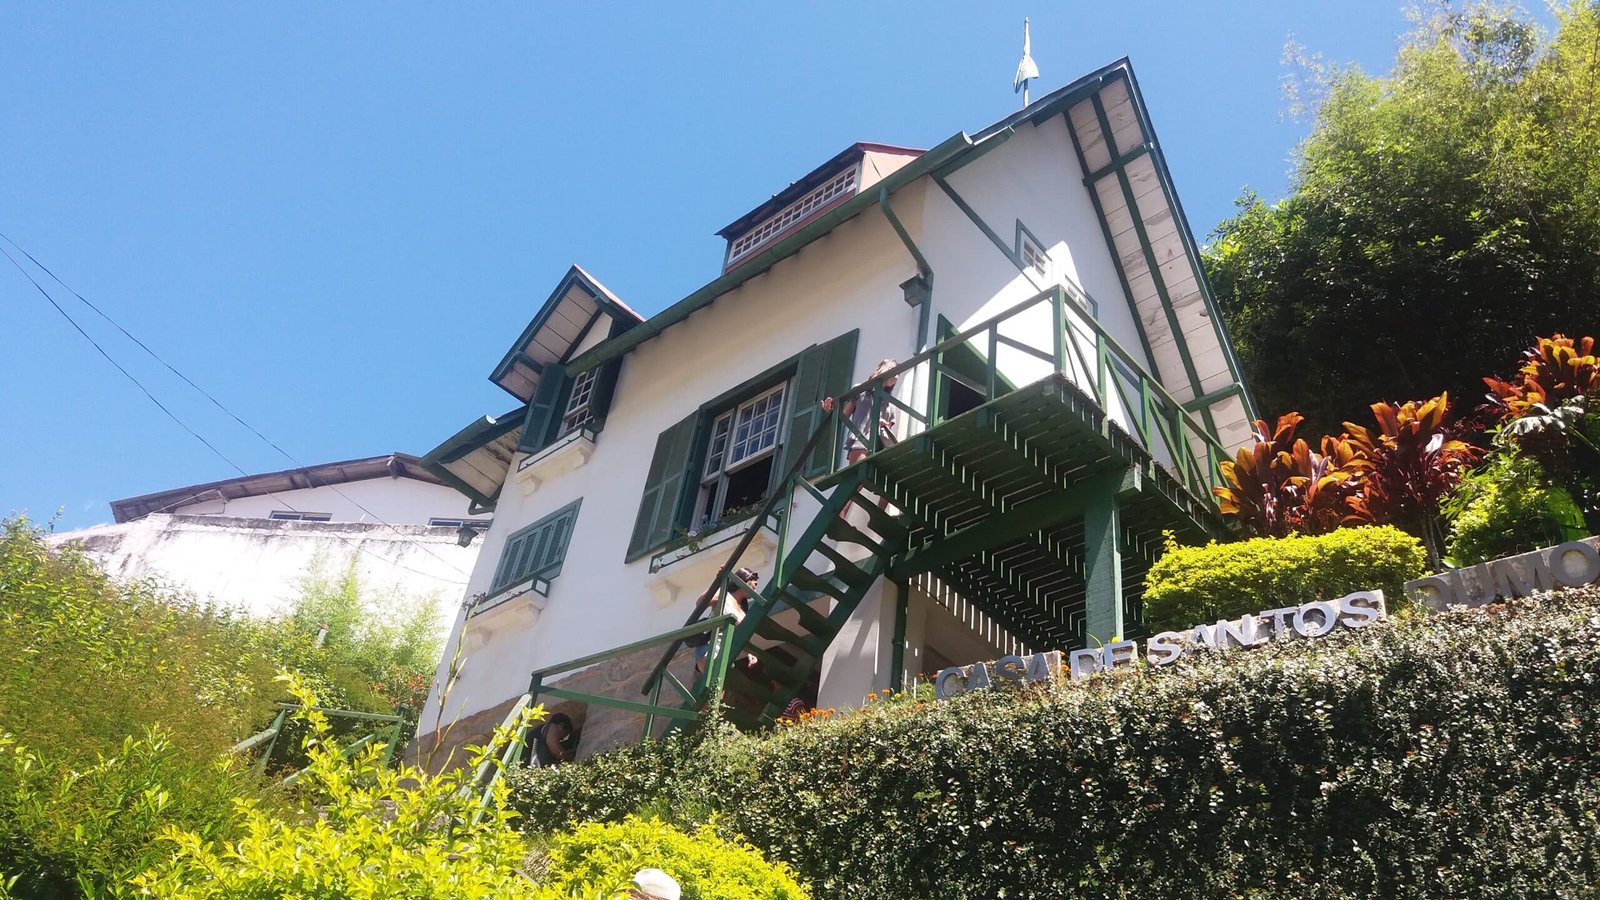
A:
119, 702
595, 859
1510, 506
1192, 585
356, 829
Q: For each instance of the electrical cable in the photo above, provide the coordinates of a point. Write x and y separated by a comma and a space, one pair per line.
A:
214, 401
195, 434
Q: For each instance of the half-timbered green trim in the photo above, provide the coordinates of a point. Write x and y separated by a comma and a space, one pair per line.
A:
1116, 258
1148, 251
1164, 176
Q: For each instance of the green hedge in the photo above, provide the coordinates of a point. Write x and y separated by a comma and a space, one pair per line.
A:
1189, 586
1453, 755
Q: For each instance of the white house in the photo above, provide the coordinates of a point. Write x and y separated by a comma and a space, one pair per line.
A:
1064, 393
248, 542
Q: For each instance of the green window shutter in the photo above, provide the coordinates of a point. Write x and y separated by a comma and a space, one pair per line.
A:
508, 563
544, 409
538, 549
824, 370
665, 486
605, 383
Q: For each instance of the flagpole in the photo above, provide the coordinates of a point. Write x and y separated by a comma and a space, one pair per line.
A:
1026, 69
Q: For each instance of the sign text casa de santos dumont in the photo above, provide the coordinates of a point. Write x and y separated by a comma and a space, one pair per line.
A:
1571, 564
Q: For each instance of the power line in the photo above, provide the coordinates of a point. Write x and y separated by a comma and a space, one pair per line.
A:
181, 424
214, 401
218, 403
129, 375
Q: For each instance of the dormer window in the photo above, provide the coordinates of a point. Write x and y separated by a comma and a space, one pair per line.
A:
841, 185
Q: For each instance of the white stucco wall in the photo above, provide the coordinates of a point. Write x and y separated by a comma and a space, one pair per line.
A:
849, 279
1035, 178
398, 501
258, 565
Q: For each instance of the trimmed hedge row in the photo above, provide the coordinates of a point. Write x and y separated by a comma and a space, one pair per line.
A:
1193, 585
1454, 755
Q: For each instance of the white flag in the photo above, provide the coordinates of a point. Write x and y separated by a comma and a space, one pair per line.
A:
1025, 69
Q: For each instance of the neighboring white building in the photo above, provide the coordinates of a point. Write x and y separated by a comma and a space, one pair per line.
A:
249, 542
1066, 392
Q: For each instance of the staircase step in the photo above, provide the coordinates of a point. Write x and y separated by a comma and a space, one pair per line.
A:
811, 620
882, 522
846, 569
745, 686
811, 581
777, 667
845, 533
811, 646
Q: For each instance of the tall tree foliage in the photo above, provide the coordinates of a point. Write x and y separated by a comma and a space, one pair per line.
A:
1439, 219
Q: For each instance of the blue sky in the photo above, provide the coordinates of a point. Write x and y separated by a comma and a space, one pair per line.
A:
335, 217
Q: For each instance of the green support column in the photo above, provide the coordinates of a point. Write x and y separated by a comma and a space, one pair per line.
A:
1102, 529
902, 608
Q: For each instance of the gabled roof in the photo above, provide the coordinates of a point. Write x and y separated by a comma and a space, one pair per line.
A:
395, 465
949, 154
1145, 230
572, 310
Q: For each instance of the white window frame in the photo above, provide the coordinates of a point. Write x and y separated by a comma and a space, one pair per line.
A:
1040, 262
577, 413
842, 184
726, 434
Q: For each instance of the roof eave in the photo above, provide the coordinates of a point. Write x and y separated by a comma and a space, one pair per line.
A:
321, 475
477, 435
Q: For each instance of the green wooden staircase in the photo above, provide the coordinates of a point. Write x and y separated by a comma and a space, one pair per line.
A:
822, 585
1039, 503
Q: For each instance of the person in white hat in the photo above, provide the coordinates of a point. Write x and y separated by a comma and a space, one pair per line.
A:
654, 884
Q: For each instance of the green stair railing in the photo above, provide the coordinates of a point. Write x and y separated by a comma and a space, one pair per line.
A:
388, 731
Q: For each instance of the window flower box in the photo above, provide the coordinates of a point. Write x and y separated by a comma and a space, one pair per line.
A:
688, 569
569, 452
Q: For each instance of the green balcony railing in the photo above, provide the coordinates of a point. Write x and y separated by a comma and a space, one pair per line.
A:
1052, 332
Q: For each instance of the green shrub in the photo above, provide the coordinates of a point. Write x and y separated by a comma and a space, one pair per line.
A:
115, 694
70, 831
91, 661
598, 858
1509, 507
117, 702
1449, 755
1189, 586
380, 650
359, 830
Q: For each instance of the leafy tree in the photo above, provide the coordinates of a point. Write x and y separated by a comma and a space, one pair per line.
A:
378, 651
1440, 217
